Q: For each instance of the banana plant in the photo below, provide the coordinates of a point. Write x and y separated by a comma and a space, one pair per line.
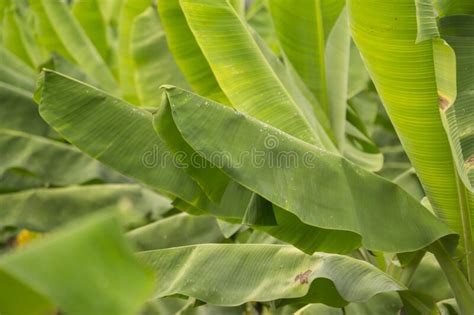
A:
220, 157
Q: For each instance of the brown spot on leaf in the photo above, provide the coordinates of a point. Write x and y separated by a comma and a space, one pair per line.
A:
303, 277
443, 102
470, 161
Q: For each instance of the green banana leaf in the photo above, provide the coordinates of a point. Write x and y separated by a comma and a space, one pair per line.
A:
111, 11
454, 7
300, 93
384, 303
404, 75
177, 230
290, 229
65, 67
242, 70
18, 36
458, 115
15, 72
129, 11
31, 303
303, 181
71, 269
45, 209
232, 274
358, 77
211, 180
17, 84
151, 161
259, 19
426, 20
59, 31
304, 42
337, 53
330, 67
358, 146
287, 228
39, 157
430, 280
229, 196
154, 64
89, 15
113, 132
19, 112
387, 303
187, 53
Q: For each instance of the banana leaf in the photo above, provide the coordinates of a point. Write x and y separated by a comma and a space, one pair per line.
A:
232, 274
59, 31
39, 157
404, 75
48, 208
152, 162
113, 132
71, 268
153, 63
89, 15
130, 9
177, 230
354, 206
241, 69
187, 53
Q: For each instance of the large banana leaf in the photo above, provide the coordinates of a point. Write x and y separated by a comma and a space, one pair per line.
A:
150, 161
453, 60
59, 31
231, 274
38, 156
232, 198
404, 74
454, 80
71, 269
242, 70
321, 189
112, 131
46, 209
177, 230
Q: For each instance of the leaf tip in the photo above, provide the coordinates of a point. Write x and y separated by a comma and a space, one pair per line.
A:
167, 87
